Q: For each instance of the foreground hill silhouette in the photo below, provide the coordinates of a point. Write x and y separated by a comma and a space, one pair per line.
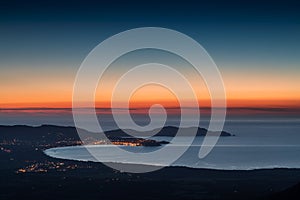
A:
27, 173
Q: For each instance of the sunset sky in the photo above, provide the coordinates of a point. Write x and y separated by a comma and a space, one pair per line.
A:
255, 46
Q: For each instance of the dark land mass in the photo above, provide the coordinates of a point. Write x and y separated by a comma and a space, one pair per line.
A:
168, 131
27, 173
65, 136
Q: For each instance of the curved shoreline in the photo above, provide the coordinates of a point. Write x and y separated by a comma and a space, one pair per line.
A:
52, 152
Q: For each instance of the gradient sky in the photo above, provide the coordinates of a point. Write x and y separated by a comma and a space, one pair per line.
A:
255, 44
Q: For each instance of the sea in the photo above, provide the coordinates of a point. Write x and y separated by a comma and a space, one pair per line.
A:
256, 144
259, 142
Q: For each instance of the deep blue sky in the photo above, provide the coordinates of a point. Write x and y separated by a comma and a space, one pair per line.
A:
232, 31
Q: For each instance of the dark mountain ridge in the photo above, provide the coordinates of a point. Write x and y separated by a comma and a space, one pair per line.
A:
53, 132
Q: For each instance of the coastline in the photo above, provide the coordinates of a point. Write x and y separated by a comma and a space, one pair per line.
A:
26, 172
51, 153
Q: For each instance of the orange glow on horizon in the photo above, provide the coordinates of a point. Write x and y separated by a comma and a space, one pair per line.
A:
231, 103
243, 89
